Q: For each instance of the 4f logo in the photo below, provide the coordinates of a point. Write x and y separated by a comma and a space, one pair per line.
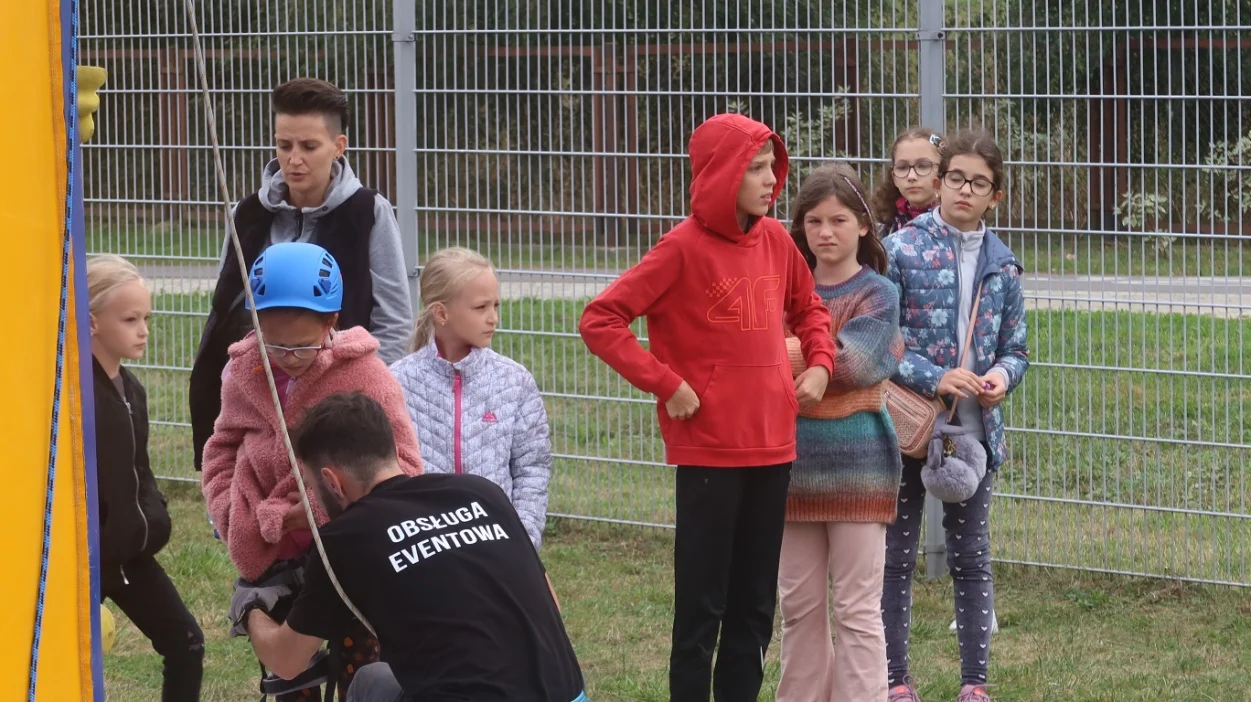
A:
751, 304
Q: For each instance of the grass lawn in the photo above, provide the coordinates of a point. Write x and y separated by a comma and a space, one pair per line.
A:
1128, 255
1041, 254
199, 245
158, 244
1065, 636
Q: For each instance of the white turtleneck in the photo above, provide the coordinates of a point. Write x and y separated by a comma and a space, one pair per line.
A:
968, 248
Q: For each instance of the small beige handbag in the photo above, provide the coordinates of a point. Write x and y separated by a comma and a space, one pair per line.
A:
913, 414
913, 417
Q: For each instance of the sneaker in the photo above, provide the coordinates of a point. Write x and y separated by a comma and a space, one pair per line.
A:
907, 692
973, 693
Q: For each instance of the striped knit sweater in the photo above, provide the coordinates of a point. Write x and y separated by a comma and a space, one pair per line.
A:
848, 464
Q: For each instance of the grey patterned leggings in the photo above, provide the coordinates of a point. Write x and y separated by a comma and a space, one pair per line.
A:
968, 558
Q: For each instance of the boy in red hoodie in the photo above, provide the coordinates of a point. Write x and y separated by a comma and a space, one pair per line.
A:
718, 292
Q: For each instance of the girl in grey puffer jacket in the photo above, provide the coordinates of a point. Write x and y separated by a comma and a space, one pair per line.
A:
475, 411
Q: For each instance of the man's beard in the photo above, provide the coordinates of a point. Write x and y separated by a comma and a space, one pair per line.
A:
329, 500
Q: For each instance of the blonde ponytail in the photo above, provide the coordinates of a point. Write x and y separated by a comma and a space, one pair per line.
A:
446, 272
423, 330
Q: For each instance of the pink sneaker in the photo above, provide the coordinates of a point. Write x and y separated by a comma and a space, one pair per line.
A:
907, 692
973, 693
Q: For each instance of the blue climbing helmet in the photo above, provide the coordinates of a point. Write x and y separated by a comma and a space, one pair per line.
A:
299, 275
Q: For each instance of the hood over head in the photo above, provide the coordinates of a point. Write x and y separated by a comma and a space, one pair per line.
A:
721, 149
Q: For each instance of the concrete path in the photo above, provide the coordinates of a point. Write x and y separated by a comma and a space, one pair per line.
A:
1218, 296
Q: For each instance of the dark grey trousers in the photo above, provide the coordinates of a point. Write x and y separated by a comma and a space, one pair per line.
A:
968, 558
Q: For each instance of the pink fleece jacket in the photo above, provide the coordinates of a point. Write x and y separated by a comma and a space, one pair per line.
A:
247, 475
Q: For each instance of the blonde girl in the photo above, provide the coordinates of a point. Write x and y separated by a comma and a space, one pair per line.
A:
475, 411
134, 522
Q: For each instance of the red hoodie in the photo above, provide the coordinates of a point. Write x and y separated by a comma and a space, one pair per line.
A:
717, 302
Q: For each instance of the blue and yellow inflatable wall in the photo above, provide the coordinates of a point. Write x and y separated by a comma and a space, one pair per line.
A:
50, 615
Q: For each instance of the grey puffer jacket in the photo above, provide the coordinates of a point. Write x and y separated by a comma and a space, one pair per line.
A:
482, 415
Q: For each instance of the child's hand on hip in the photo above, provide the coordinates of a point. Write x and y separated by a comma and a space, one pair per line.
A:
810, 386
995, 388
684, 403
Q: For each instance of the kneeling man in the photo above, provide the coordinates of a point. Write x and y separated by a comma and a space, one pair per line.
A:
440, 565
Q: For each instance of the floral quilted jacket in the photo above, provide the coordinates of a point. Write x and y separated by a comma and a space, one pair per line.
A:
924, 264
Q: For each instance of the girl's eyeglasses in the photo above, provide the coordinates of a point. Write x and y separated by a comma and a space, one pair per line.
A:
301, 352
923, 168
956, 180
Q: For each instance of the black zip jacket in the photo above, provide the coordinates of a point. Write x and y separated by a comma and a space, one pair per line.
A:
134, 520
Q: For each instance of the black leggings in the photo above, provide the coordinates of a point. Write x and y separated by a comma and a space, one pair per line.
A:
152, 603
968, 556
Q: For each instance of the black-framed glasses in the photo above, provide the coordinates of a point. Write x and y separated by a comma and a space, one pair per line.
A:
923, 168
301, 352
956, 180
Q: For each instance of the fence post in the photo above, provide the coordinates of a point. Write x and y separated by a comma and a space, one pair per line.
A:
172, 133
405, 39
933, 80
605, 142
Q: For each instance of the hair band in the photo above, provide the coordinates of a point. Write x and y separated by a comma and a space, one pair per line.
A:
854, 189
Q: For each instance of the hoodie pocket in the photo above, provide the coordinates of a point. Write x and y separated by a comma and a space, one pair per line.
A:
746, 407
157, 522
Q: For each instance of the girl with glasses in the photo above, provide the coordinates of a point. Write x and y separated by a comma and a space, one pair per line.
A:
941, 262
909, 186
247, 481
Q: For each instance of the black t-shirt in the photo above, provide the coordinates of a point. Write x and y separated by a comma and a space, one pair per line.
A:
442, 567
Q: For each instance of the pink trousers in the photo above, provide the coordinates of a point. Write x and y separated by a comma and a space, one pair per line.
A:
852, 666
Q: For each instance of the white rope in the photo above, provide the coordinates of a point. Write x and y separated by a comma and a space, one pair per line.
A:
256, 323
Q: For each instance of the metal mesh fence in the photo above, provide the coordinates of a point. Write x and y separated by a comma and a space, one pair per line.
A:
1120, 123
551, 136
151, 192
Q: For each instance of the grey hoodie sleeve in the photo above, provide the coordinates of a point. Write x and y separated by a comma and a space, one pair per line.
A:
392, 317
227, 247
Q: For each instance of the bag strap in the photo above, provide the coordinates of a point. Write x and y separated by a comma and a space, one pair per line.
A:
968, 341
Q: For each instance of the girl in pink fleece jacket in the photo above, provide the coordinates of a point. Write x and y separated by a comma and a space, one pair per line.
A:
247, 482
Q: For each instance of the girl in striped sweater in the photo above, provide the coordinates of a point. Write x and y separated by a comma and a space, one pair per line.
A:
845, 479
